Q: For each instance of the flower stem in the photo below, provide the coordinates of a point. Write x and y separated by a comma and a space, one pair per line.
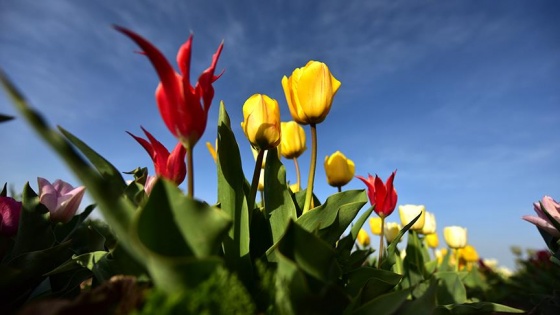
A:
190, 173
309, 194
298, 176
456, 260
255, 182
379, 257
339, 188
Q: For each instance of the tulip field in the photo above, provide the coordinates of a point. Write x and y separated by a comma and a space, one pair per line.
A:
266, 246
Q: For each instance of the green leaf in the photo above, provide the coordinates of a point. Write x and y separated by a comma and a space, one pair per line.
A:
311, 254
104, 167
231, 196
479, 308
332, 218
387, 264
278, 201
451, 289
425, 304
156, 228
373, 281
23, 273
116, 210
385, 304
35, 230
203, 227
4, 118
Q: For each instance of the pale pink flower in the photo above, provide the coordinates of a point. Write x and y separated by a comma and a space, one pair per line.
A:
542, 221
60, 198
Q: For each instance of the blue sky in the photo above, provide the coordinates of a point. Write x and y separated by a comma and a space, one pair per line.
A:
462, 97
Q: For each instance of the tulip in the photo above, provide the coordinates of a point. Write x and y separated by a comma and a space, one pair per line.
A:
541, 220
391, 231
309, 92
432, 240
339, 169
409, 212
293, 140
167, 165
10, 211
184, 108
455, 236
363, 238
468, 254
382, 196
261, 122
375, 225
213, 152
60, 198
429, 224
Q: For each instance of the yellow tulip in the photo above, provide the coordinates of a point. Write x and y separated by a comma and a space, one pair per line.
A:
455, 236
363, 238
294, 188
429, 224
339, 169
261, 121
409, 212
392, 229
375, 225
468, 254
309, 92
212, 151
432, 240
293, 140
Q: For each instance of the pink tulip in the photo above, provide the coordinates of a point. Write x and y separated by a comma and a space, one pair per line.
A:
542, 221
60, 198
10, 210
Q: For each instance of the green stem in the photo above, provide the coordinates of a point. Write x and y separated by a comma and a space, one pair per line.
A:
309, 194
339, 188
298, 176
255, 182
379, 257
190, 173
456, 260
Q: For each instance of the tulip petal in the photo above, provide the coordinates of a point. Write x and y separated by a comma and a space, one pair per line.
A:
48, 195
176, 169
167, 75
543, 224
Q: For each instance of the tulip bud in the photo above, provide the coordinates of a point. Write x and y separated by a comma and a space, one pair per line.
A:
455, 236
10, 211
429, 224
294, 188
363, 238
293, 140
261, 122
468, 254
375, 225
339, 169
309, 92
61, 199
392, 229
432, 240
409, 212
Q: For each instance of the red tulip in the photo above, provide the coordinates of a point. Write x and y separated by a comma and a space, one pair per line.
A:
381, 195
10, 211
184, 108
168, 165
